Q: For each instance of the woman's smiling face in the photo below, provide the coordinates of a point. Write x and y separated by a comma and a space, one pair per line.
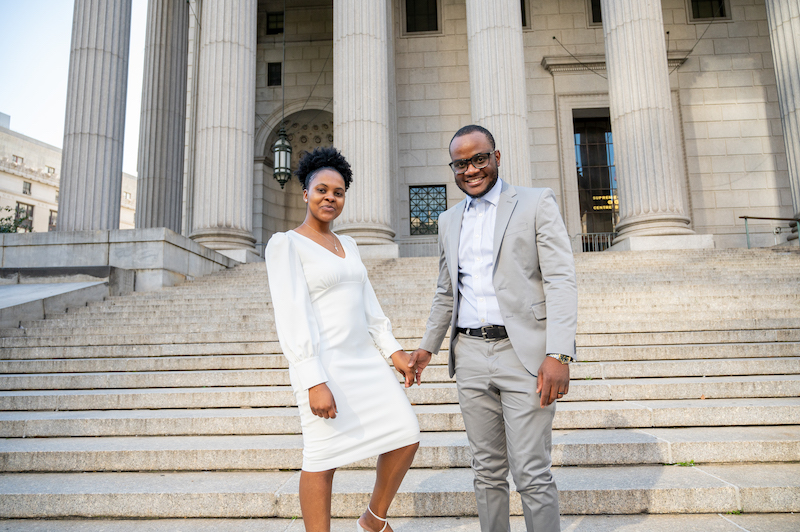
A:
325, 195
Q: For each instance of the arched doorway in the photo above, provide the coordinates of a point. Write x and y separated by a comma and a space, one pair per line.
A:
277, 209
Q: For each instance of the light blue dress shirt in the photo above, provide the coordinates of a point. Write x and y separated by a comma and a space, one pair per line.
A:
477, 304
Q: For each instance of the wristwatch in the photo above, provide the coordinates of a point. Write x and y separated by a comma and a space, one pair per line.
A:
564, 359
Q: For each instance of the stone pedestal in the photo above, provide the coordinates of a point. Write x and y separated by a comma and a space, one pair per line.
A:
784, 35
645, 149
94, 128
163, 123
361, 118
222, 215
497, 82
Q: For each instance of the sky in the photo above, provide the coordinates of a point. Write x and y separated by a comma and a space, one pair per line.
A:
34, 54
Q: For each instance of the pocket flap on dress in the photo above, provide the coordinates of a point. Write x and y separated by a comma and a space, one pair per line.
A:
540, 310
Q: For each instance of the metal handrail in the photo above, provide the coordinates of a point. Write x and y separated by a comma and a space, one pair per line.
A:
590, 242
747, 228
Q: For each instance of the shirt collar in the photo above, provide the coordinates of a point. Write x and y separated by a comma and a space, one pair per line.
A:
493, 196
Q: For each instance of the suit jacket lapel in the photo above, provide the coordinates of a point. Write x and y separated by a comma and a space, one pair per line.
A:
454, 236
505, 206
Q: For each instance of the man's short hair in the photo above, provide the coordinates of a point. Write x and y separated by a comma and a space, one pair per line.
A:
466, 130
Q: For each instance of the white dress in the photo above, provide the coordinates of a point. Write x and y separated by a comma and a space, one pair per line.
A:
332, 330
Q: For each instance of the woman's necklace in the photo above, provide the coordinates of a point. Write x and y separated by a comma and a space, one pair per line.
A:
333, 241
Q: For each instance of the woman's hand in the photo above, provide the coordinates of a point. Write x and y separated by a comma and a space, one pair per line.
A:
400, 360
321, 401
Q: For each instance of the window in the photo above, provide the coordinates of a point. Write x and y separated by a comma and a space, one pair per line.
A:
422, 16
524, 14
426, 204
51, 170
274, 23
51, 225
26, 188
595, 16
597, 182
56, 196
273, 74
17, 159
24, 211
708, 10
126, 195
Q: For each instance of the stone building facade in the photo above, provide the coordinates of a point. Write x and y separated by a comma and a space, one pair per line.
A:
657, 119
30, 173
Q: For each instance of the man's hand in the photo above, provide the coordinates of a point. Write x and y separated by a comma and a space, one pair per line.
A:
400, 359
419, 361
553, 381
321, 401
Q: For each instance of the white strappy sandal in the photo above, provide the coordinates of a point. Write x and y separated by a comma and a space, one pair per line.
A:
359, 528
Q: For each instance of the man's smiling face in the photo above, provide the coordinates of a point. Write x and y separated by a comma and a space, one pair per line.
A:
475, 182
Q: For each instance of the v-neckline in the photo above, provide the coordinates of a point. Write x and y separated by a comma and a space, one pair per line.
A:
323, 247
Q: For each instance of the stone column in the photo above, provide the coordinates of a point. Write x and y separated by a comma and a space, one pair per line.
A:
361, 119
94, 128
497, 82
784, 34
645, 149
163, 122
223, 182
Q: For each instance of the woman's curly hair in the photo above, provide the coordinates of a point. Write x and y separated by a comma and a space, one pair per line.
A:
328, 157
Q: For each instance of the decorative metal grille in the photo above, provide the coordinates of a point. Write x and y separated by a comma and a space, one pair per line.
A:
426, 204
702, 9
421, 15
274, 74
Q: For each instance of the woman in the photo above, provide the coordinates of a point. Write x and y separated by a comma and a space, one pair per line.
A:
335, 336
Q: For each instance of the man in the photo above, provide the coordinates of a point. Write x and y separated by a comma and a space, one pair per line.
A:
507, 290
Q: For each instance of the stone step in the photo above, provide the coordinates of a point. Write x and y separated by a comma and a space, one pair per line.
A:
235, 371
729, 522
587, 354
715, 488
689, 351
432, 418
604, 313
587, 324
750, 386
402, 331
653, 325
437, 450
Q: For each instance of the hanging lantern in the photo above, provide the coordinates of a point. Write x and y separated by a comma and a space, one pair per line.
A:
282, 151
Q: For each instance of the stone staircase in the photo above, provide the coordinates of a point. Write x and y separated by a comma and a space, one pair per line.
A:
177, 404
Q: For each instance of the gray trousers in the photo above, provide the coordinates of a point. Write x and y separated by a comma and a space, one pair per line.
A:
506, 426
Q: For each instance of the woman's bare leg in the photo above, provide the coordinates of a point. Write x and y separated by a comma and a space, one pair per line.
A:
392, 468
315, 500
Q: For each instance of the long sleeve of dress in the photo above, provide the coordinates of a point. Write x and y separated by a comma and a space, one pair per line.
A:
380, 328
295, 321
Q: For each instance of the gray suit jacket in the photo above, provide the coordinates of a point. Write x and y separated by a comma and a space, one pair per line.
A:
534, 277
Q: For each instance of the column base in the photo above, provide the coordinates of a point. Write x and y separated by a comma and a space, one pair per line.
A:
220, 239
650, 243
374, 241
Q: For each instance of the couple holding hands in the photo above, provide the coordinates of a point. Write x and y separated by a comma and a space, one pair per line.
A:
507, 291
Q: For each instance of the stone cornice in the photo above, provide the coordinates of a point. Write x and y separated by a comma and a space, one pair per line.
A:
585, 63
26, 172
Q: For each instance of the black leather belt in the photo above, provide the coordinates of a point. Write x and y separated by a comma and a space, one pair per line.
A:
490, 332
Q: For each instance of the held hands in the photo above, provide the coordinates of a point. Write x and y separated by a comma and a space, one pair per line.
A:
552, 382
321, 401
419, 361
402, 364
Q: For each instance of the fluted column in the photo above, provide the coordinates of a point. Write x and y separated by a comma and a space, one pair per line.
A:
361, 116
645, 149
497, 82
223, 182
94, 127
163, 121
784, 34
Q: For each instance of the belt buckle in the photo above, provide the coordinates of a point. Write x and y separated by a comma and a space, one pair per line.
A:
484, 331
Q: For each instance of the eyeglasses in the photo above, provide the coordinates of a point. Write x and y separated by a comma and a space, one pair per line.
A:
479, 160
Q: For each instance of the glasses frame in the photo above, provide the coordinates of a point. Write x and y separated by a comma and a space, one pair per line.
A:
471, 161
